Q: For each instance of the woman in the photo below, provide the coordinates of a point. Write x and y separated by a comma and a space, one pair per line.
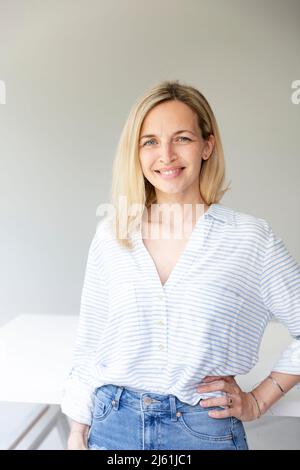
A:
177, 294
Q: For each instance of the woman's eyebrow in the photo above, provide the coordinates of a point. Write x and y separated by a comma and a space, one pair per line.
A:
175, 133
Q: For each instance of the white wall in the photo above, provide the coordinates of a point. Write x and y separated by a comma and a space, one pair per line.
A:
72, 70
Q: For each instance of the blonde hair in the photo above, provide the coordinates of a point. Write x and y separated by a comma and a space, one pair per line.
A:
128, 180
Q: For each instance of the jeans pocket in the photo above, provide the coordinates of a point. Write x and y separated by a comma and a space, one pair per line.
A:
102, 406
201, 425
239, 434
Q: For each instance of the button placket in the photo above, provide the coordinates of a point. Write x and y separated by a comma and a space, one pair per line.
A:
161, 329
161, 299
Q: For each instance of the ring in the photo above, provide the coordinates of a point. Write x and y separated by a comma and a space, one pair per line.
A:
230, 401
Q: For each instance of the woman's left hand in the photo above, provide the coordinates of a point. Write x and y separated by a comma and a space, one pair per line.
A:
236, 402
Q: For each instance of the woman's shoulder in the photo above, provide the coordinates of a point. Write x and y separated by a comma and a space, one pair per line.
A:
249, 223
104, 229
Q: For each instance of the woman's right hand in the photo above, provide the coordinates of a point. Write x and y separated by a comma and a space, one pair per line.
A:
78, 436
77, 440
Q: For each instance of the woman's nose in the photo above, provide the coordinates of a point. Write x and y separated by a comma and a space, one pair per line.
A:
167, 153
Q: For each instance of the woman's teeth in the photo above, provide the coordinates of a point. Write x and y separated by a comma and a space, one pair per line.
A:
170, 173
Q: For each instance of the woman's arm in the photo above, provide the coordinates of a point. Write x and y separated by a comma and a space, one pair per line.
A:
280, 292
246, 406
78, 395
267, 392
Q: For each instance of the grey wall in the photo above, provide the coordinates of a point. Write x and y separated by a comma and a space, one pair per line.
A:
72, 70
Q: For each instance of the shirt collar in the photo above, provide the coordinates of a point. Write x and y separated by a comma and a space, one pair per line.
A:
220, 212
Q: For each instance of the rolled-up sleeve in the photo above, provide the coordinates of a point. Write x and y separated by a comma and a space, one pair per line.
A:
280, 290
78, 392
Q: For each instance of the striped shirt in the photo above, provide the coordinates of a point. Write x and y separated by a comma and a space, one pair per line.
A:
232, 277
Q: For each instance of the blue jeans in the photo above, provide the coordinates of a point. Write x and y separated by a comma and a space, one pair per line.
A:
138, 420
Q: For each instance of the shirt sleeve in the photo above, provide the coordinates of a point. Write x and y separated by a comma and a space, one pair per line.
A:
280, 290
78, 392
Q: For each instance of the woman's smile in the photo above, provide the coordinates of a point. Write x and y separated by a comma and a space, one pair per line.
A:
170, 174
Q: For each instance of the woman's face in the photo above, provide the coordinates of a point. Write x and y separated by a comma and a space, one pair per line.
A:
162, 147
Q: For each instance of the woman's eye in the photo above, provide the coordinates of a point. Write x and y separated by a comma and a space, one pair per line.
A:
151, 140
148, 141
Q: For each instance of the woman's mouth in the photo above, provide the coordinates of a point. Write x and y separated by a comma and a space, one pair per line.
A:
169, 174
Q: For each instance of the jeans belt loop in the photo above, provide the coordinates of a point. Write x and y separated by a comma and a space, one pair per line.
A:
173, 408
117, 397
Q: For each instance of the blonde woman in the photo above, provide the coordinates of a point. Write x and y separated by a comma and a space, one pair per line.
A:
177, 293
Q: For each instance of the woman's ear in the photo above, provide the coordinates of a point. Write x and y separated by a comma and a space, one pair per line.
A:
208, 147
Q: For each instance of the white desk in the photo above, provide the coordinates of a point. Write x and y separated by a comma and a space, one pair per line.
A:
36, 355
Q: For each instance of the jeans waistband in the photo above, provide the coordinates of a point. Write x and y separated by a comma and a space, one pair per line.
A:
142, 400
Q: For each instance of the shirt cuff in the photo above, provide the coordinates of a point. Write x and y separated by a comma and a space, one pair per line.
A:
78, 400
289, 361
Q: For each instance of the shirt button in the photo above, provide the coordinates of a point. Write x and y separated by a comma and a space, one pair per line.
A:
160, 297
161, 347
161, 323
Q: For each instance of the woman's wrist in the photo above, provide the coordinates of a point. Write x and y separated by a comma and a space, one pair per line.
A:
271, 389
259, 405
83, 433
79, 428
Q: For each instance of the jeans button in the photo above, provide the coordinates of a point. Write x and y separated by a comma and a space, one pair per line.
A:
147, 400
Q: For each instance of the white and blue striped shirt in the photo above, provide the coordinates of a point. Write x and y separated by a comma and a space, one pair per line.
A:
233, 276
